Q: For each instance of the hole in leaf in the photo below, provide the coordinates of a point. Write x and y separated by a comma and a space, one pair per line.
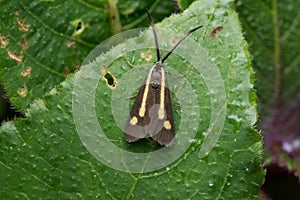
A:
79, 26
110, 80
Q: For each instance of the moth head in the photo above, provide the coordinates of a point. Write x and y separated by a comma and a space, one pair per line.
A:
155, 79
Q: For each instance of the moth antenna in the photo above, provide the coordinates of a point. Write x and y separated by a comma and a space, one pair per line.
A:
176, 45
154, 33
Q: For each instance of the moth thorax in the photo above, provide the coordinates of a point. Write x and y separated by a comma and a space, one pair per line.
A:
155, 78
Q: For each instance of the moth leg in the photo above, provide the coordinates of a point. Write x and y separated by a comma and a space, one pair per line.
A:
175, 101
151, 141
131, 97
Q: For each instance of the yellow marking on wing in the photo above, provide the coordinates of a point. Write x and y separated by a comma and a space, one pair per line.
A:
167, 125
143, 105
133, 120
161, 110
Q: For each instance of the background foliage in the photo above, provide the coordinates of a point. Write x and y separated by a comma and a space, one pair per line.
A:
43, 42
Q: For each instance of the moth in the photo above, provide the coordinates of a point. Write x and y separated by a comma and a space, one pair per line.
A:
151, 114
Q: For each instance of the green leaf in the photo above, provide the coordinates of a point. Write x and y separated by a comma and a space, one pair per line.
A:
44, 41
272, 29
47, 155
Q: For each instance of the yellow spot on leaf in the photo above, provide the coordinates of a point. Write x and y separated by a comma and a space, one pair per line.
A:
66, 71
22, 25
77, 65
24, 43
70, 43
22, 91
3, 41
146, 56
26, 72
174, 40
15, 56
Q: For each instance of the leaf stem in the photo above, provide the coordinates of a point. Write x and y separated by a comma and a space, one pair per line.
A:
114, 17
